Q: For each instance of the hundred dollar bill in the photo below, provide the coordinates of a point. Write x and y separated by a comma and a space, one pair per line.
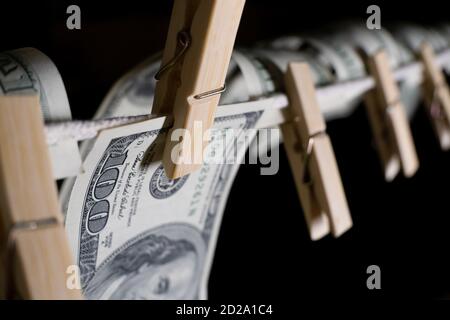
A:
138, 235
412, 36
370, 41
347, 39
280, 58
29, 71
186, 212
339, 59
133, 94
358, 36
409, 37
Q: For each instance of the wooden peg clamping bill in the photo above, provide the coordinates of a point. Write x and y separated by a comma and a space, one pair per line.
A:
32, 237
312, 159
389, 122
437, 96
194, 66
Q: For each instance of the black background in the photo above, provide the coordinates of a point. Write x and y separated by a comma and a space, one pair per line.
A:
263, 250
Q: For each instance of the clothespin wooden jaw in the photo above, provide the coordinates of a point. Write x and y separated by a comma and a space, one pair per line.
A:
194, 66
34, 245
437, 96
389, 122
312, 159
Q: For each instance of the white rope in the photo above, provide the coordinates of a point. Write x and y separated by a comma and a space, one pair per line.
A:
86, 129
328, 97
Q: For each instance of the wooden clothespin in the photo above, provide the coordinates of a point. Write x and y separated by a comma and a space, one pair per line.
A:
437, 96
312, 159
389, 122
34, 247
194, 66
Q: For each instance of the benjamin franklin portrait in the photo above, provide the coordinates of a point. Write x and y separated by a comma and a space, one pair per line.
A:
164, 263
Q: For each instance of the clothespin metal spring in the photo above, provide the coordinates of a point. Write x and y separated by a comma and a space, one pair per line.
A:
312, 159
184, 39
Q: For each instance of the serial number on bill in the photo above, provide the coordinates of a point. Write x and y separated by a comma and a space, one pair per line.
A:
225, 309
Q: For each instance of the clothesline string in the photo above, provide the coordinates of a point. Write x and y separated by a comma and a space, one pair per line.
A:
328, 95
